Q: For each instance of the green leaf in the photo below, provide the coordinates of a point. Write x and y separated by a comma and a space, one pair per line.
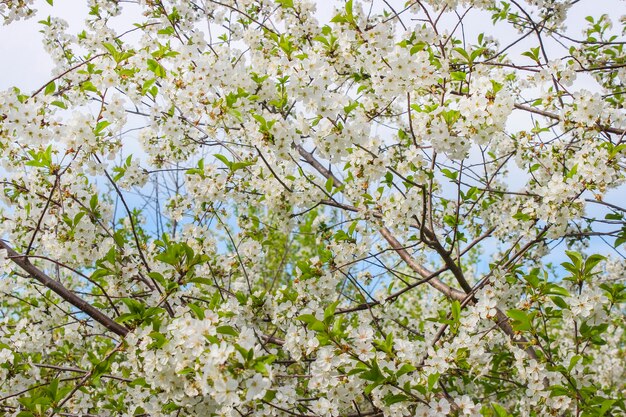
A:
458, 75
59, 103
521, 321
329, 312
463, 53
201, 280
223, 159
100, 126
156, 68
50, 88
456, 310
591, 263
577, 259
432, 380
572, 172
394, 398
405, 369
373, 373
99, 273
500, 411
185, 371
572, 363
450, 174
312, 322
532, 54
147, 85
159, 340
240, 165
329, 185
606, 404
112, 49
228, 330
134, 306
166, 31
560, 302
197, 310
553, 289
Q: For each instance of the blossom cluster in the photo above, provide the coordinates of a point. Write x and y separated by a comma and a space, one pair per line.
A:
315, 209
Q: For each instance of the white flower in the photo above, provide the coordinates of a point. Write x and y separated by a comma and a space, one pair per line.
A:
322, 407
466, 405
257, 386
439, 408
226, 391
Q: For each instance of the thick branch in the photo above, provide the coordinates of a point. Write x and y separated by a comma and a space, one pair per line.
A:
63, 292
425, 273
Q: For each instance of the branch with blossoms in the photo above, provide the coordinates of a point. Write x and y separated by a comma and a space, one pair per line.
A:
315, 209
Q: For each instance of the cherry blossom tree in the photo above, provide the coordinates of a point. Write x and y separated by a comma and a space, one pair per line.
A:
312, 209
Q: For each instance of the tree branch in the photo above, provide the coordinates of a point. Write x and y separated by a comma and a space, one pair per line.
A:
63, 292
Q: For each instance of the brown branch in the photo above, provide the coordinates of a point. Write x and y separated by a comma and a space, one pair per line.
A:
425, 273
43, 214
78, 370
66, 72
63, 292
555, 116
272, 171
